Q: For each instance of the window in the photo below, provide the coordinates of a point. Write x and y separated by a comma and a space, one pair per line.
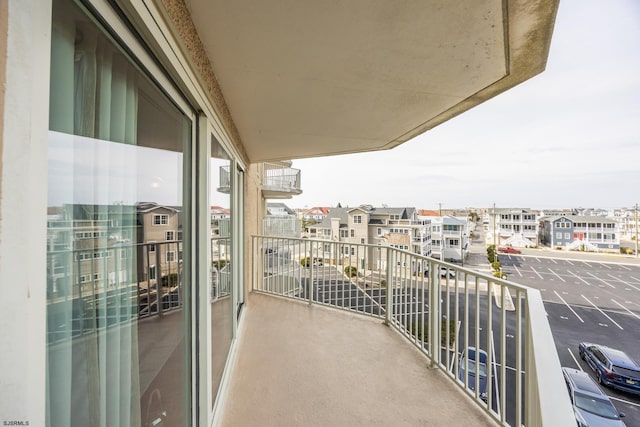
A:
326, 232
353, 232
117, 128
559, 235
362, 241
353, 250
357, 219
160, 219
168, 235
344, 233
379, 231
454, 242
170, 256
567, 236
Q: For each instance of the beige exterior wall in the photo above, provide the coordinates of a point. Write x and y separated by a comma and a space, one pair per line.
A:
25, 49
3, 66
361, 230
254, 206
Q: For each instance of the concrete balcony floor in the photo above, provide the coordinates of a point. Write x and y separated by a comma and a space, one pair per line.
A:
301, 365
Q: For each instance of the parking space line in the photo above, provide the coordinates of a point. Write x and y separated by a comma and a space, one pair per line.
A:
538, 259
637, 280
578, 277
534, 270
569, 261
556, 274
597, 278
626, 283
565, 303
605, 265
574, 359
602, 312
586, 263
554, 261
624, 266
625, 309
624, 401
517, 271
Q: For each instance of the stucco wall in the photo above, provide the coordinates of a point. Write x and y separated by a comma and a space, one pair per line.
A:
3, 65
180, 20
25, 47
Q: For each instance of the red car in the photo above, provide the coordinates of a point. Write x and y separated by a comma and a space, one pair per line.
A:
509, 250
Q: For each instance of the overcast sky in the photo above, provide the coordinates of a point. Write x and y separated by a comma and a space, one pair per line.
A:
569, 137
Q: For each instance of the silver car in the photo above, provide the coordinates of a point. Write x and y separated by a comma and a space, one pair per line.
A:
591, 406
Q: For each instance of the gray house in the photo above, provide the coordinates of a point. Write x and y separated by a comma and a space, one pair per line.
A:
576, 232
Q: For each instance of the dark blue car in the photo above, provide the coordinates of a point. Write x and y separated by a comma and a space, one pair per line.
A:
613, 368
468, 360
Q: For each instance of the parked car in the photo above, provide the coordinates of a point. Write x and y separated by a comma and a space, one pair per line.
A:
468, 360
591, 406
613, 368
509, 250
444, 271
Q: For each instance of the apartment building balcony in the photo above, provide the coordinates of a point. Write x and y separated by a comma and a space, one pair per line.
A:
278, 181
377, 339
312, 365
282, 226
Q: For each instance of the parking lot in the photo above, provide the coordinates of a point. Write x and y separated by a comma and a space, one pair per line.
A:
595, 300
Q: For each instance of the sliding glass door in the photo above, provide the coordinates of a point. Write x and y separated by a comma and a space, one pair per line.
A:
119, 288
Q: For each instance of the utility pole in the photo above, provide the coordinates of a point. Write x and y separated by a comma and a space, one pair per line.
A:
495, 247
636, 230
440, 208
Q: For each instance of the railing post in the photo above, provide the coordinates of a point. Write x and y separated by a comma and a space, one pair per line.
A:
254, 272
434, 314
389, 308
310, 265
159, 276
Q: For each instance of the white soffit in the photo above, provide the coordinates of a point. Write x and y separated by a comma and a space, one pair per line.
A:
310, 78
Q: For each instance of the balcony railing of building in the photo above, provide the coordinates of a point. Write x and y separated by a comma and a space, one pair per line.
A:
281, 226
111, 285
442, 309
280, 179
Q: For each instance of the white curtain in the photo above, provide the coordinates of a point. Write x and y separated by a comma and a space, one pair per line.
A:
92, 362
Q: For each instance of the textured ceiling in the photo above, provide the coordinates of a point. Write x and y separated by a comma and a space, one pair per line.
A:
309, 78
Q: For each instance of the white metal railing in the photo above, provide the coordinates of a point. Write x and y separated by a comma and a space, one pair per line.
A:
281, 225
281, 178
442, 309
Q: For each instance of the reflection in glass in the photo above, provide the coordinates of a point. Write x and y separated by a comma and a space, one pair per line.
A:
118, 351
221, 277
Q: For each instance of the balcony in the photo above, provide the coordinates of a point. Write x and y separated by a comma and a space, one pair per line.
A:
312, 365
282, 226
280, 182
325, 358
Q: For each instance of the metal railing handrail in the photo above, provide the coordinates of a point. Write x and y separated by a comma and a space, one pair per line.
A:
440, 307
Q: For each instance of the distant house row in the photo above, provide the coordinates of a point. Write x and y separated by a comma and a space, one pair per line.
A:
594, 230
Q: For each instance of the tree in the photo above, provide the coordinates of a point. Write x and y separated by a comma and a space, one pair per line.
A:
307, 222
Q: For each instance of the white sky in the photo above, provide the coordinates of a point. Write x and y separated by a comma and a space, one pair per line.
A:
569, 137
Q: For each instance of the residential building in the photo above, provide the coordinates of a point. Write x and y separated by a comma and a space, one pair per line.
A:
449, 238
400, 228
316, 213
577, 232
159, 230
188, 104
517, 227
